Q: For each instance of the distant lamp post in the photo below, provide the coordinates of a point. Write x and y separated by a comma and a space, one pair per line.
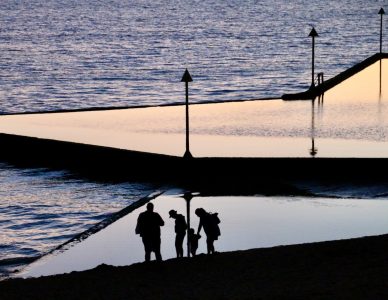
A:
187, 78
313, 34
381, 13
188, 196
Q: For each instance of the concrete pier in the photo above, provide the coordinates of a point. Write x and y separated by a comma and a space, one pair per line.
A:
228, 175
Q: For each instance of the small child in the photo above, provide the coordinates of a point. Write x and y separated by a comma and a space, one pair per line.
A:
193, 240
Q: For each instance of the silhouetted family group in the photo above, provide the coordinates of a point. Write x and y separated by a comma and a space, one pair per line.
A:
149, 223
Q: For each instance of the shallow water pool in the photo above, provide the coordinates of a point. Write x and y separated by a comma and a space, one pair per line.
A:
246, 222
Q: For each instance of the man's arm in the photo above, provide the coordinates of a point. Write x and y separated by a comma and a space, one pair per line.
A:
138, 225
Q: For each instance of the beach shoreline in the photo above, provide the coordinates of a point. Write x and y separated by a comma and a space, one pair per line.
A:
344, 269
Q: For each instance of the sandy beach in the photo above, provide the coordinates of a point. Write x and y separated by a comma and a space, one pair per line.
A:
345, 269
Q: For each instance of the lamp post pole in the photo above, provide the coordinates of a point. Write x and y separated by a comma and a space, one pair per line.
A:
186, 79
188, 196
381, 13
313, 34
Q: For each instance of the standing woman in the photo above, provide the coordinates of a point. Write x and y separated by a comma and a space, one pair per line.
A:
209, 222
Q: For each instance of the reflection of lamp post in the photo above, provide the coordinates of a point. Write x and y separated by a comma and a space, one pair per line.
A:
187, 78
380, 82
313, 150
381, 13
188, 196
313, 34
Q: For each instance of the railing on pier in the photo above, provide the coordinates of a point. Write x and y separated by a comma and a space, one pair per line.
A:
319, 79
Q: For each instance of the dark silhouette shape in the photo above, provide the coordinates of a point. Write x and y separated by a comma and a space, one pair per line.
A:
320, 78
193, 241
180, 230
313, 150
381, 13
188, 196
313, 34
321, 97
148, 226
209, 222
186, 79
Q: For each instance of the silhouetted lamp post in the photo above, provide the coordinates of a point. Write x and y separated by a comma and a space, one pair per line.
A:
313, 34
187, 78
381, 13
188, 196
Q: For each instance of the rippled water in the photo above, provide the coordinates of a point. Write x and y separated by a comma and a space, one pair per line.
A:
59, 54
41, 209
85, 53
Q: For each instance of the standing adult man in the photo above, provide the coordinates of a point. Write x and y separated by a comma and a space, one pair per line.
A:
148, 226
180, 230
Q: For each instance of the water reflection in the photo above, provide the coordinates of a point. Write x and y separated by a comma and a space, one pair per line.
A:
188, 196
349, 126
380, 75
246, 222
314, 150
41, 209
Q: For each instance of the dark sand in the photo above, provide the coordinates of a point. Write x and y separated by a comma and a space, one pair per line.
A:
347, 269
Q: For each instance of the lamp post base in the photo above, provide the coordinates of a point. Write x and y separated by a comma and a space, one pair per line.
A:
187, 154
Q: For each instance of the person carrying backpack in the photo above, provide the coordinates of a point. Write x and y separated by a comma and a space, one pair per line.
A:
180, 230
209, 222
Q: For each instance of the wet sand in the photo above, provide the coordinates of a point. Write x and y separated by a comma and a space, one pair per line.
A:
346, 269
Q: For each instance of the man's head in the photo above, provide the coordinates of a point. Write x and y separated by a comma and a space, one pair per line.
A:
150, 206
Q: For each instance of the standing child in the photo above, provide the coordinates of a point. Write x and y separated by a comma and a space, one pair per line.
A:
180, 230
193, 240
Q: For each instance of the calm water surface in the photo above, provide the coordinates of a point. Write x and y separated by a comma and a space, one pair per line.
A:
246, 222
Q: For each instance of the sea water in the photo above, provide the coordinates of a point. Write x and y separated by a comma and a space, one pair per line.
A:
65, 54
41, 209
57, 54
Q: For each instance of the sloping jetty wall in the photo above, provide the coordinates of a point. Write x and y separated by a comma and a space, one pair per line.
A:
320, 89
225, 175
